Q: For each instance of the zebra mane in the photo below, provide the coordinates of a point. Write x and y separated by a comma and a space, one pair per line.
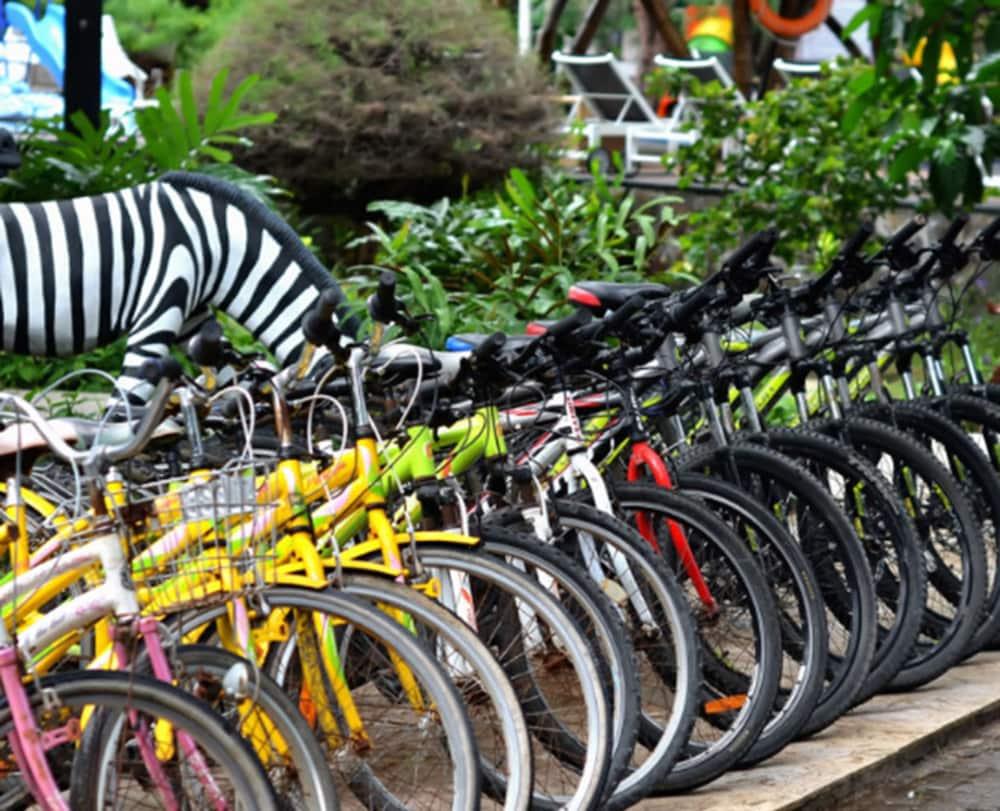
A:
281, 231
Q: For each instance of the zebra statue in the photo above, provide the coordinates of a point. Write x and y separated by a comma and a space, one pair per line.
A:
152, 262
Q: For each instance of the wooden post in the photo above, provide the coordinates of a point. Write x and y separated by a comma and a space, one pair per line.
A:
675, 43
82, 75
771, 48
591, 22
742, 57
547, 34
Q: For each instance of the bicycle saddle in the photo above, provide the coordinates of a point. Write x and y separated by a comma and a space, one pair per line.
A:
602, 296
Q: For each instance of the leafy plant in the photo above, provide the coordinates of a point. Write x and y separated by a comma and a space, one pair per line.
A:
493, 261
172, 134
171, 29
949, 119
783, 161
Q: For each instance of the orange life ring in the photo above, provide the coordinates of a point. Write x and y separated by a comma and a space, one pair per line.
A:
785, 27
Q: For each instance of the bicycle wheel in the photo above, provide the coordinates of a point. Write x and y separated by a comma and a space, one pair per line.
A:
736, 624
801, 612
256, 706
490, 700
979, 419
641, 689
832, 548
980, 482
952, 549
549, 662
410, 745
888, 536
199, 761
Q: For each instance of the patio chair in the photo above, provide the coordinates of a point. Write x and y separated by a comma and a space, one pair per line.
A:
796, 69
704, 69
617, 109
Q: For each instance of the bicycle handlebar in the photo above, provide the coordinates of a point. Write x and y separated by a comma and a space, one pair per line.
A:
760, 243
564, 326
619, 317
903, 235
857, 240
112, 453
489, 348
382, 303
954, 229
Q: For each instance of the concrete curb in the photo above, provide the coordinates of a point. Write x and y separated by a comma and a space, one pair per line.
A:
873, 739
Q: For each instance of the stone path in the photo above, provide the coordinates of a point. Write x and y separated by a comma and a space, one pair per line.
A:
864, 747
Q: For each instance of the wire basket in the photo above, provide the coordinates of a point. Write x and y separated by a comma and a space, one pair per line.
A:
202, 539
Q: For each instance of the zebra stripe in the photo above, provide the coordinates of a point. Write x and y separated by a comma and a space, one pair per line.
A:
151, 263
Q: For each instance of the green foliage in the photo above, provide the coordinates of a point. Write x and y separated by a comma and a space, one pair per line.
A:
784, 161
947, 121
172, 134
494, 261
176, 32
390, 98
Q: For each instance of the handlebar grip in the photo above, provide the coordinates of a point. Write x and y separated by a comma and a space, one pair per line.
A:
954, 229
758, 242
318, 328
677, 315
488, 348
990, 231
564, 326
156, 369
382, 303
903, 234
632, 305
205, 348
858, 238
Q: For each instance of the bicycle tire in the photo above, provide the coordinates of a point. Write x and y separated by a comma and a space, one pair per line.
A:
508, 777
801, 611
452, 744
521, 594
889, 538
106, 696
294, 770
744, 599
980, 483
823, 531
575, 584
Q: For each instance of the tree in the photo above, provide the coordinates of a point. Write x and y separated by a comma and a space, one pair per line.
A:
390, 98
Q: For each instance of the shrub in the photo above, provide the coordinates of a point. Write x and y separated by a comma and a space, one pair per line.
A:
392, 98
170, 32
783, 161
495, 260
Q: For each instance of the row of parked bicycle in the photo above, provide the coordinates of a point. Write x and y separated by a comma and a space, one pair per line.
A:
616, 556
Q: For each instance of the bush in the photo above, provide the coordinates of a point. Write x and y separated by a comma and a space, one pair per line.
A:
390, 98
783, 161
495, 260
170, 32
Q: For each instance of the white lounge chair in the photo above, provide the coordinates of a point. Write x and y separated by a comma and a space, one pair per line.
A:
616, 108
795, 69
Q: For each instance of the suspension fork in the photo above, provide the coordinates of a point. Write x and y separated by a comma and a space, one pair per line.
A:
645, 457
